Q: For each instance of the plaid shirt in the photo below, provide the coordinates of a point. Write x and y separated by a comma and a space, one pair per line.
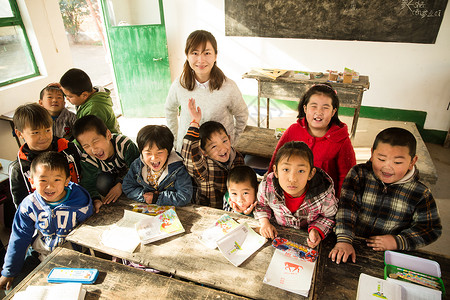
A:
317, 210
210, 175
369, 207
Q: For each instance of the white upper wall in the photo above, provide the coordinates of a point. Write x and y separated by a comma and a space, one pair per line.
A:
45, 30
402, 75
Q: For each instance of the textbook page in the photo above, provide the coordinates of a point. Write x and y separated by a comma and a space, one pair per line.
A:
290, 273
159, 227
240, 243
220, 228
370, 287
123, 235
413, 291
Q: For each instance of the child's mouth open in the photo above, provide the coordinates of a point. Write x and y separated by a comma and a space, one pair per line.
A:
156, 165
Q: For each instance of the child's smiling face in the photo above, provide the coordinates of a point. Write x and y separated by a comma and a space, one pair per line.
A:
154, 157
319, 112
293, 174
391, 163
53, 101
218, 146
242, 194
96, 145
49, 183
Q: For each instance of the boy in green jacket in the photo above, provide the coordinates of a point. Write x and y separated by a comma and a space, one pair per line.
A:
89, 100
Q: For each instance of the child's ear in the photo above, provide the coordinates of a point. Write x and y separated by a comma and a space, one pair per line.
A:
19, 134
312, 173
413, 162
40, 102
275, 171
85, 95
67, 181
304, 109
32, 182
108, 134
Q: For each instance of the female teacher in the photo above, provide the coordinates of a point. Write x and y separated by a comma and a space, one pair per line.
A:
217, 96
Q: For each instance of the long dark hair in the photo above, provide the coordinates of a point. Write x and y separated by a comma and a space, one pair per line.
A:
187, 79
320, 89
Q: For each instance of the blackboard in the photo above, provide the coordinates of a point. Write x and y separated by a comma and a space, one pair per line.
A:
407, 21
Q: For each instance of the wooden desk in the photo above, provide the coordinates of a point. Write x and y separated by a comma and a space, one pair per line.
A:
257, 141
335, 281
186, 257
288, 88
117, 281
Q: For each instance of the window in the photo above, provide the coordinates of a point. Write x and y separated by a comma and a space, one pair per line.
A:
16, 57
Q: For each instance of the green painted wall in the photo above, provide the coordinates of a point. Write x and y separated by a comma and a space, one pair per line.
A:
379, 113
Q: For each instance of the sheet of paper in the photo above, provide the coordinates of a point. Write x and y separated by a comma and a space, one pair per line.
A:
67, 291
413, 291
122, 235
220, 228
289, 273
240, 243
370, 287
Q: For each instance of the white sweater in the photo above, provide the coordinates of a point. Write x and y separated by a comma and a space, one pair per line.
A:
225, 105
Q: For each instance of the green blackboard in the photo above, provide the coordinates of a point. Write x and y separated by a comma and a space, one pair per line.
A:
405, 21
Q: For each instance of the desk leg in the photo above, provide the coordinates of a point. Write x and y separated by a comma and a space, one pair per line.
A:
259, 104
268, 111
356, 117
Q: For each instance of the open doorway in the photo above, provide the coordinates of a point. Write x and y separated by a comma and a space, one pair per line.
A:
85, 33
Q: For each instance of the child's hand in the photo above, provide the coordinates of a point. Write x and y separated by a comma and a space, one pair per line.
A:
97, 204
342, 251
148, 197
249, 209
6, 282
382, 242
114, 194
267, 230
196, 112
314, 238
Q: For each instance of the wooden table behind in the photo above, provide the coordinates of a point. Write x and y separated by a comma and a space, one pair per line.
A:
186, 257
117, 281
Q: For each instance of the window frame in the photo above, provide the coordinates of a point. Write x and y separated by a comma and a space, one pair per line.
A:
16, 20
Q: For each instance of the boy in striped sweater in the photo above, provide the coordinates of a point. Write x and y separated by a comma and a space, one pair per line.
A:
106, 160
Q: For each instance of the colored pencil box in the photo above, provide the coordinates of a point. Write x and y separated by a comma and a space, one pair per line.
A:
413, 269
84, 276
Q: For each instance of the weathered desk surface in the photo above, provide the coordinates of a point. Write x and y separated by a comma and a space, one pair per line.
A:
186, 257
117, 281
257, 141
335, 281
289, 88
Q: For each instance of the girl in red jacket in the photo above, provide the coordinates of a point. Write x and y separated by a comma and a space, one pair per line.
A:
319, 127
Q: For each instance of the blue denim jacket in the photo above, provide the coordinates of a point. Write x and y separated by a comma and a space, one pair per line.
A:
174, 185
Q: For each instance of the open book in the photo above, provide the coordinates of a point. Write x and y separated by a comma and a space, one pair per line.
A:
69, 291
290, 273
240, 244
370, 287
159, 227
221, 227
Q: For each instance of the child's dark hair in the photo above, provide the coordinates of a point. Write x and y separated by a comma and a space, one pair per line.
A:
32, 115
88, 123
207, 129
320, 89
243, 174
49, 88
295, 148
395, 136
52, 160
158, 135
76, 81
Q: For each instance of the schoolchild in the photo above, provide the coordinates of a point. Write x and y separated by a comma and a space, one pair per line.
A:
208, 156
45, 217
52, 99
242, 186
297, 194
318, 125
158, 175
89, 100
33, 123
383, 200
106, 159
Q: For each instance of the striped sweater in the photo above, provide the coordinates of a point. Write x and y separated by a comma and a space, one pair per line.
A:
125, 152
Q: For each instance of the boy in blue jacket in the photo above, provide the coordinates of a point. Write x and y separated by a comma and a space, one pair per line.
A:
45, 217
158, 176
